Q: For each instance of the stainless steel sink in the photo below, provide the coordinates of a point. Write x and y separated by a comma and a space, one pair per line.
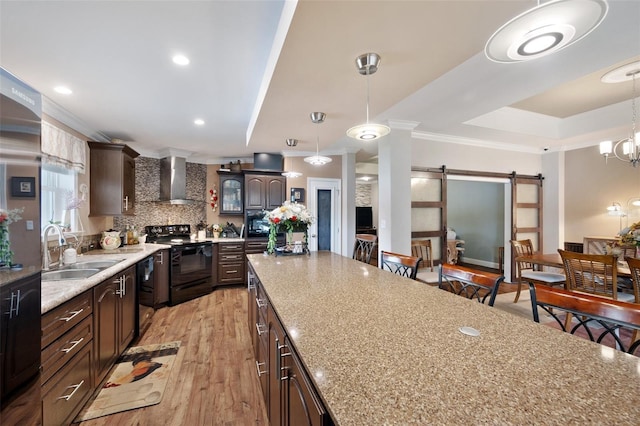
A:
68, 274
92, 264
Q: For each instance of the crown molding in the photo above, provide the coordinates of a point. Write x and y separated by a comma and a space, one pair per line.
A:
55, 111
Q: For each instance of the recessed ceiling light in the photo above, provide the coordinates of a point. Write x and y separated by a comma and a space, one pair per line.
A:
63, 90
180, 60
198, 122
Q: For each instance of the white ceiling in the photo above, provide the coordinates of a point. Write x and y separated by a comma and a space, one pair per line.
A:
258, 68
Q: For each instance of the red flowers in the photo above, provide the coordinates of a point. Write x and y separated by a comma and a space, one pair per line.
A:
294, 218
276, 220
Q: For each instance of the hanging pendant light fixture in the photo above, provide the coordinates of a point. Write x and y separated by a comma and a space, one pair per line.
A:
291, 174
317, 160
368, 64
630, 146
545, 29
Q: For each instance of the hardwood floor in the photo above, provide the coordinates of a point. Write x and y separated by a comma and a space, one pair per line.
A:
213, 381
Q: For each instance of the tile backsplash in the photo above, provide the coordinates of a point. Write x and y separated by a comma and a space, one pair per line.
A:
150, 211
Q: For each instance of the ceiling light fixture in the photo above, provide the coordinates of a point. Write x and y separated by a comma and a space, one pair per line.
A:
317, 160
292, 142
180, 60
291, 174
63, 90
198, 122
631, 145
545, 29
368, 64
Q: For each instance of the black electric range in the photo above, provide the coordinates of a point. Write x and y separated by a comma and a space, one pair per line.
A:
191, 261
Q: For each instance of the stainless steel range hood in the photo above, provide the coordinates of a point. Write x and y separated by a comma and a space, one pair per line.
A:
173, 181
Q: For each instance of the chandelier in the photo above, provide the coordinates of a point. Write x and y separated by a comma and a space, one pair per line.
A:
629, 146
368, 64
545, 29
317, 160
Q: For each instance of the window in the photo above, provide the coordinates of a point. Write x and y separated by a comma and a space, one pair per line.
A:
57, 192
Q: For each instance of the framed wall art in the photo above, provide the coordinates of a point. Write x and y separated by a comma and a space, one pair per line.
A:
297, 195
23, 187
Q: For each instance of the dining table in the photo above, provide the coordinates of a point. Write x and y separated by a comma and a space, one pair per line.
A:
554, 260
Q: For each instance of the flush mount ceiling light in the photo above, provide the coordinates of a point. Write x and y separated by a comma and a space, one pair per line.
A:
63, 90
198, 122
368, 64
545, 29
631, 145
180, 60
317, 160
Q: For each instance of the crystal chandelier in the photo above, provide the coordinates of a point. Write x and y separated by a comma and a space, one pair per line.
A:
368, 64
317, 160
629, 146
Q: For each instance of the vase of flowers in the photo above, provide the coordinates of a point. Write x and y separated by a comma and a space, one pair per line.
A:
290, 218
630, 237
7, 217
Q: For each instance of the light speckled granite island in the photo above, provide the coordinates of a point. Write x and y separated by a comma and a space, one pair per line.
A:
381, 349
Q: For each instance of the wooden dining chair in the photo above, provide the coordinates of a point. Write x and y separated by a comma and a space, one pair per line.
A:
470, 283
634, 269
526, 272
400, 264
422, 249
364, 246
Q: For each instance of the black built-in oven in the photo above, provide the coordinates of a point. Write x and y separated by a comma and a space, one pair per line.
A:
191, 265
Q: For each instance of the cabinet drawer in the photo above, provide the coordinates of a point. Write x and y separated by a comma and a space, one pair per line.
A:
231, 247
62, 350
64, 395
231, 272
231, 257
66, 316
252, 247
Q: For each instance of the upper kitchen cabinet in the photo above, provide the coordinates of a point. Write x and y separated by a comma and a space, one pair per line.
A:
113, 178
231, 193
264, 191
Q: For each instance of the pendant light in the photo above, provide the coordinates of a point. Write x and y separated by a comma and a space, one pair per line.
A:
317, 160
545, 29
368, 64
630, 146
291, 174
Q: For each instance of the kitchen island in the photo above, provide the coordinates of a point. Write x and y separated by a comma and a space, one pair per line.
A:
383, 349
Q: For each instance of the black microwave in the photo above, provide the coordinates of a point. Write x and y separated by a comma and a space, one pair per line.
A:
256, 225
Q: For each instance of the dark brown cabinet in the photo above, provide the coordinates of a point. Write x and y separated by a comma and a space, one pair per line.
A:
264, 191
19, 332
231, 193
113, 177
231, 263
289, 394
114, 310
67, 359
155, 292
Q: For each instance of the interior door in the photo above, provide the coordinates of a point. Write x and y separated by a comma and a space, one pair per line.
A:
325, 192
429, 210
526, 212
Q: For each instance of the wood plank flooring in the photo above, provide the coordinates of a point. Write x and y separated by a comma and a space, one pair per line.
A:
213, 380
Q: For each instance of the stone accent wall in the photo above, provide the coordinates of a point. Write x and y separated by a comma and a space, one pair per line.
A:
363, 194
149, 211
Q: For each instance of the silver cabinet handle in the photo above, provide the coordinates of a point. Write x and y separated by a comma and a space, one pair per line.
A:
261, 303
74, 344
233, 271
259, 328
126, 203
121, 287
258, 364
75, 389
280, 355
14, 304
74, 314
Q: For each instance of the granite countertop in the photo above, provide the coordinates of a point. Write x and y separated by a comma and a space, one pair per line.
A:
55, 293
382, 349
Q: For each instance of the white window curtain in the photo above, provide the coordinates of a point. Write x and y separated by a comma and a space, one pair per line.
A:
63, 149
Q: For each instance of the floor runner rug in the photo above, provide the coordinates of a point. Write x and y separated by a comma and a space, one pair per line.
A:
138, 379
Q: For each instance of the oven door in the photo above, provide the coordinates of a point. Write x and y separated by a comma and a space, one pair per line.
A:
191, 262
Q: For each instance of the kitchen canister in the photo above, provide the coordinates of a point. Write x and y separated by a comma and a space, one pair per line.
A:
69, 256
110, 240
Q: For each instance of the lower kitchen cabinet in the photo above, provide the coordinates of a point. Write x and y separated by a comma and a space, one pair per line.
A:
114, 319
231, 263
67, 359
289, 394
19, 331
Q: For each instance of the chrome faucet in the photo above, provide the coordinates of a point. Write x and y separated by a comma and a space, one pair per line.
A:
46, 256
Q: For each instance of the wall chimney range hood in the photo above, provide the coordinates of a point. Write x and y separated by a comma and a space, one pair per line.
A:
173, 181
